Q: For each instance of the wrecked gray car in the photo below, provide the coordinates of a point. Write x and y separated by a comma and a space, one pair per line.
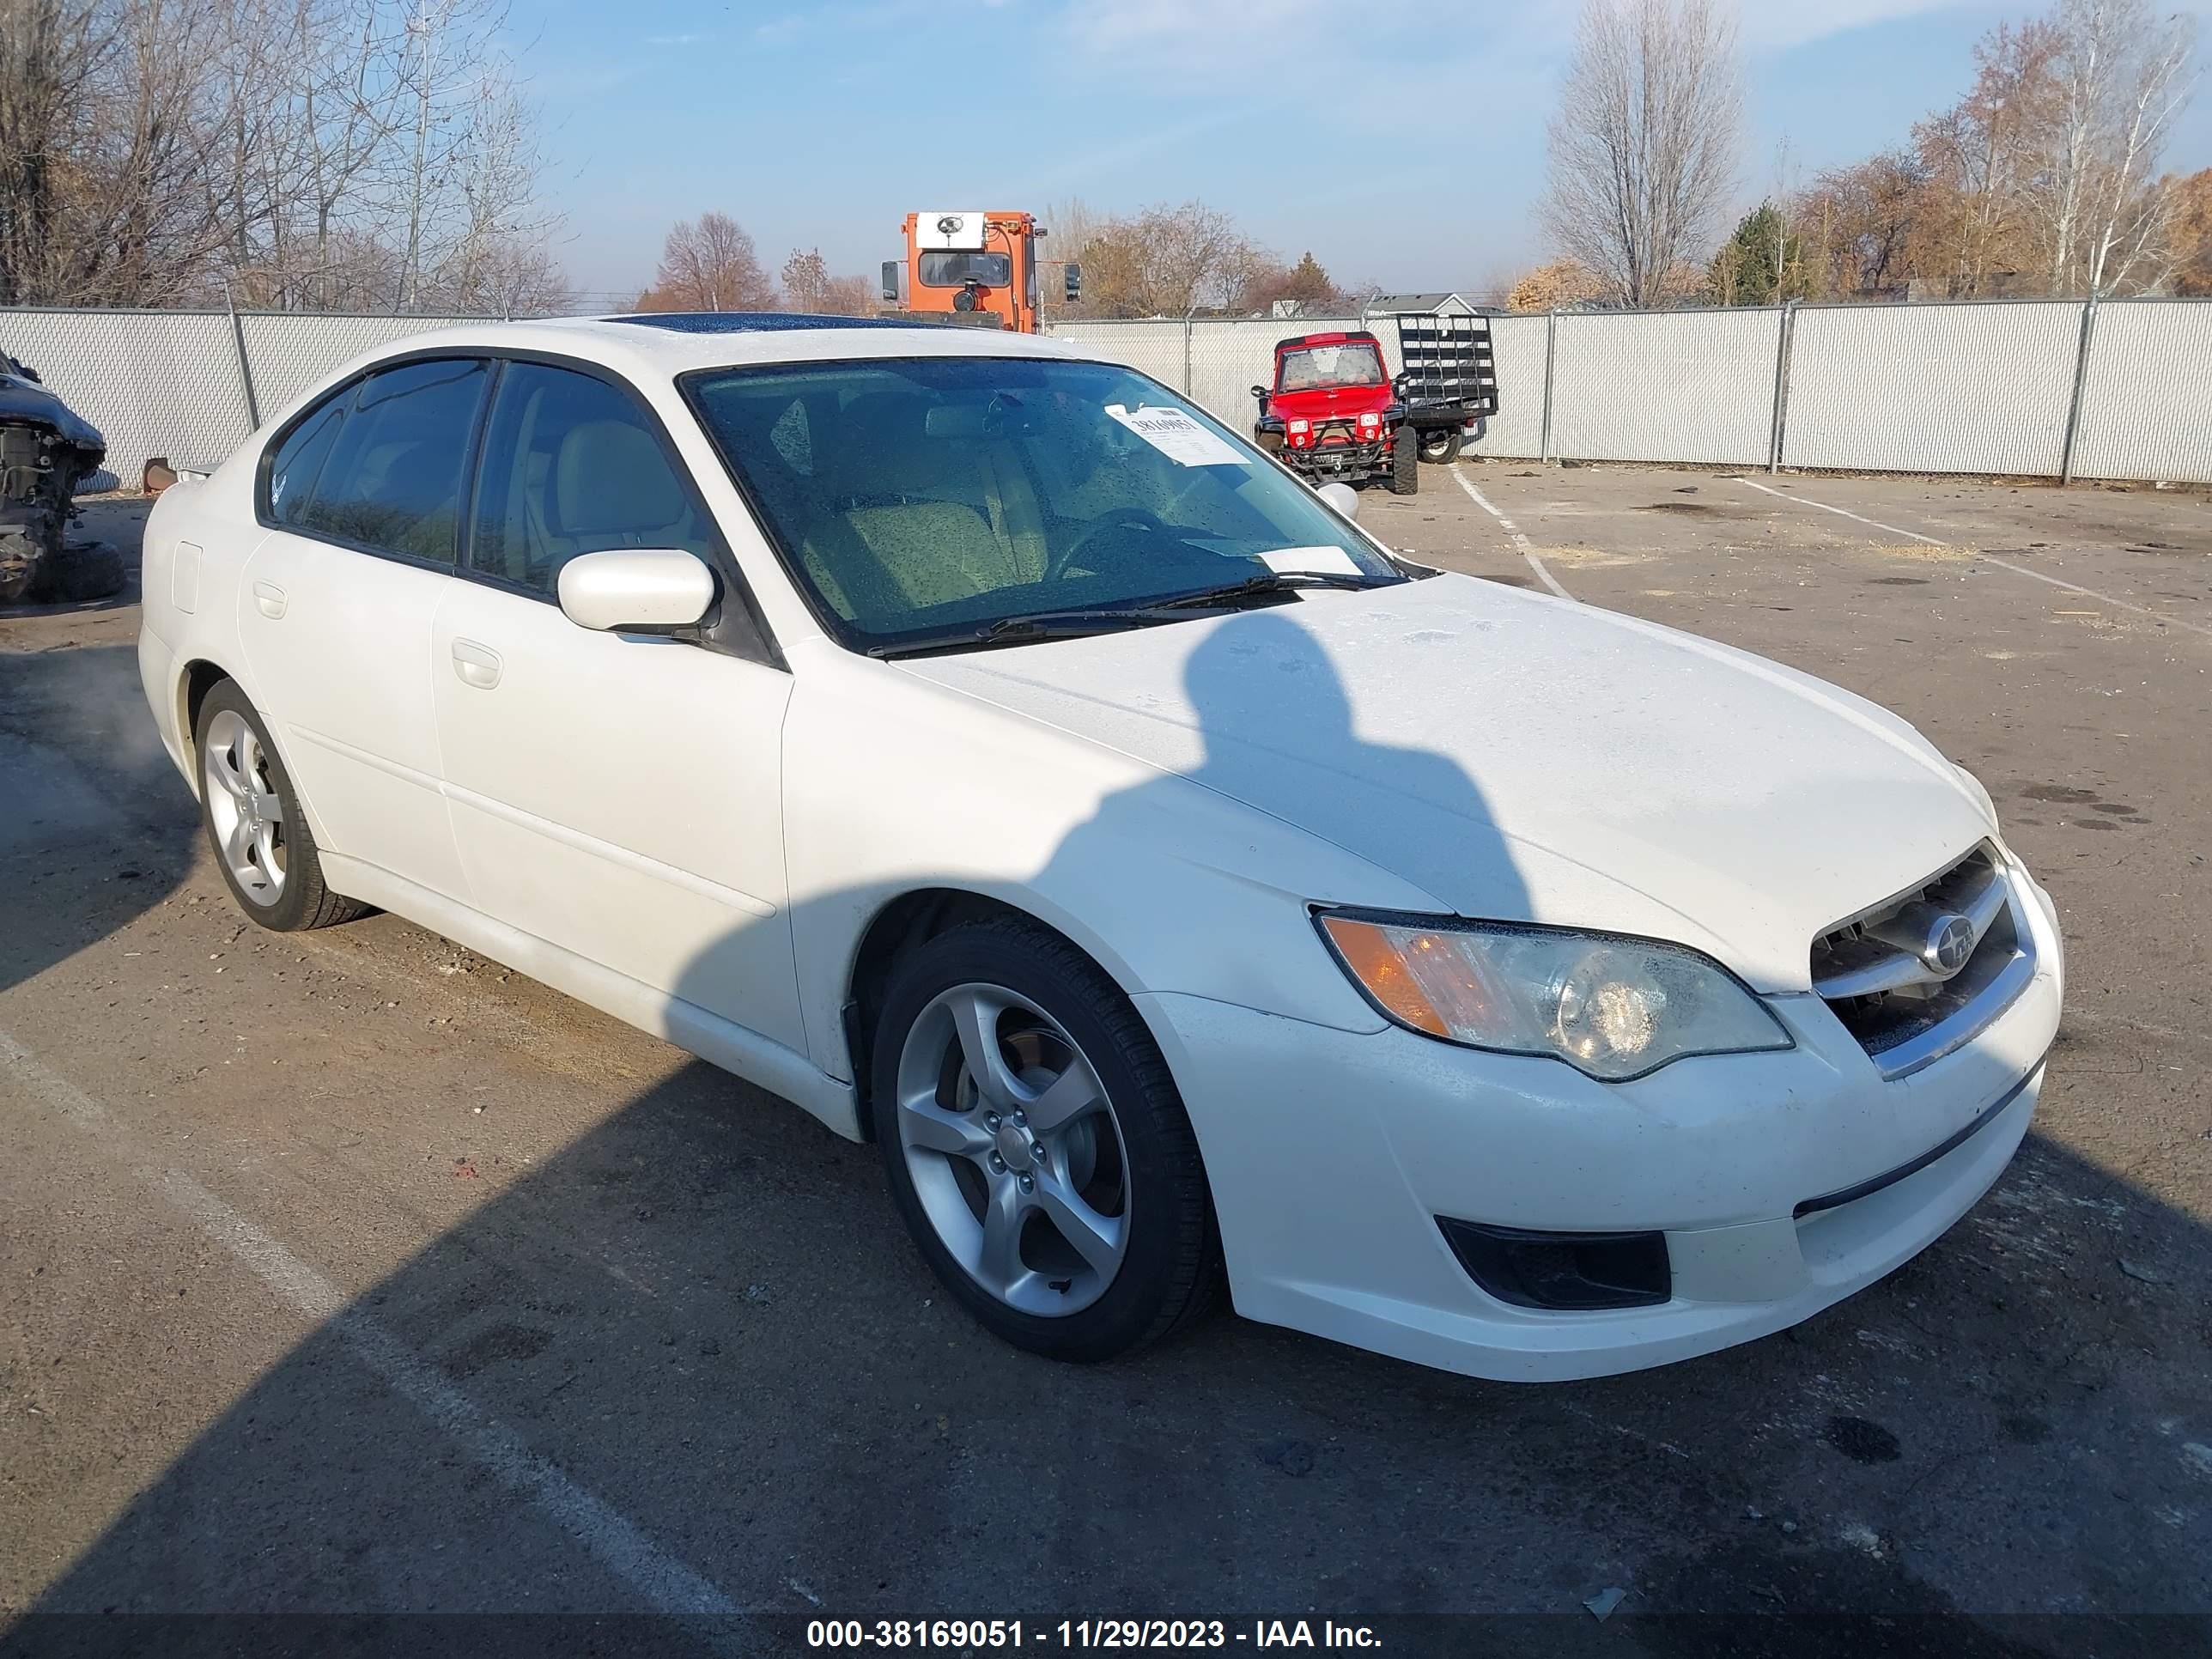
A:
45, 449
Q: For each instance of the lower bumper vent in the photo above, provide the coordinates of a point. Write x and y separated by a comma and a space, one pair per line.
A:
1562, 1271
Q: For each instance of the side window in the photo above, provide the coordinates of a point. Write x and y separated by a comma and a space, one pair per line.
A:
392, 480
299, 459
572, 464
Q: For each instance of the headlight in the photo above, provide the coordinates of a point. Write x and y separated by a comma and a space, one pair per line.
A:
1301, 426
1611, 1006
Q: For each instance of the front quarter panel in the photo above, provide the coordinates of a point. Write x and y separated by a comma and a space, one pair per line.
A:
896, 784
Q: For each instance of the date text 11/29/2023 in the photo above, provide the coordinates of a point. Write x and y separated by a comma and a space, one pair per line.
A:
982, 1633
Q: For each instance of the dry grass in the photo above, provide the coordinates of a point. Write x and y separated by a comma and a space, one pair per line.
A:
1939, 552
1590, 558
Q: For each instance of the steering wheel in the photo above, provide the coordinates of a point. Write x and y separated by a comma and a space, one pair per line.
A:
1120, 518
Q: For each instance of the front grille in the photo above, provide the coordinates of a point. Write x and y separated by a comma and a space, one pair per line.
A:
1906, 999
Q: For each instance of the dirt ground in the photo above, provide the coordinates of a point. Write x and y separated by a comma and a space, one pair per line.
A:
349, 1274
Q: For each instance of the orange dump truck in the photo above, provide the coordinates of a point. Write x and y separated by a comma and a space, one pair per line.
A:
968, 265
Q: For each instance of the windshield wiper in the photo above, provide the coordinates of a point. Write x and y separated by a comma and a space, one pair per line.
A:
1075, 624
1020, 630
1266, 585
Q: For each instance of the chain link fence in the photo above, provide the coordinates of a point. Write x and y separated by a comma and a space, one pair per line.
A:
2040, 388
187, 384
2060, 389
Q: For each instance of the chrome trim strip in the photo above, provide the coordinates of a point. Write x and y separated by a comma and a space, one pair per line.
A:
1982, 908
1892, 973
1903, 967
1971, 1021
1997, 863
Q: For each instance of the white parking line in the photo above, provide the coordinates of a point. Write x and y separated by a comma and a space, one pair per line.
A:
1526, 547
665, 1584
1986, 558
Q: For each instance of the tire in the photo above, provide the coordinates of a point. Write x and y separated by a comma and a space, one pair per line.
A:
1440, 445
254, 826
20, 559
1405, 462
1124, 1170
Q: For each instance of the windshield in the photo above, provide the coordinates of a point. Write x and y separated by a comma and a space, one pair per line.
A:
1316, 367
916, 496
941, 270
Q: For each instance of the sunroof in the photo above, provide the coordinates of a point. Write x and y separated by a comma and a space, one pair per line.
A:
748, 322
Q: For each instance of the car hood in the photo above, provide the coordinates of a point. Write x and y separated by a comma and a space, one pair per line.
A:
1329, 403
1523, 758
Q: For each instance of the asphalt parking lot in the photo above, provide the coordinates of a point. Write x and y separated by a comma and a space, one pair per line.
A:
350, 1273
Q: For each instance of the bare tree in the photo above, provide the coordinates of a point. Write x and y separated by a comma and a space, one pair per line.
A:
2192, 232
1644, 145
709, 264
805, 280
1556, 286
1167, 261
849, 296
2121, 76
298, 153
105, 135
1980, 156
1071, 225
1867, 224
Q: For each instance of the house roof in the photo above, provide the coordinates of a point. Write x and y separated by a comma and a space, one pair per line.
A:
1418, 303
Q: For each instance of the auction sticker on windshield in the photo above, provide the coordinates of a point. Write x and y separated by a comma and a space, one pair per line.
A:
1178, 437
1312, 560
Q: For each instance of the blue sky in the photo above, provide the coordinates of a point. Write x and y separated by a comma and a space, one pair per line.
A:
1405, 147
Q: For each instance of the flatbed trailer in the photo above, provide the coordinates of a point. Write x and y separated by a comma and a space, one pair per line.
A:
1447, 379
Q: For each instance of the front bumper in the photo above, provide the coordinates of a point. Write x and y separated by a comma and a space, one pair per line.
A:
1339, 460
1333, 1154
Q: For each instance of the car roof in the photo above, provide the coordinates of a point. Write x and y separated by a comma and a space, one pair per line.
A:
671, 343
1348, 337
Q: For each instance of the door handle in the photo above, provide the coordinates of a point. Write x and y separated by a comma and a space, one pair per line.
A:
270, 599
477, 664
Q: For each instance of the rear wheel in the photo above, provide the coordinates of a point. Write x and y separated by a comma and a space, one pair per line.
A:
1405, 462
1036, 1146
1440, 445
252, 814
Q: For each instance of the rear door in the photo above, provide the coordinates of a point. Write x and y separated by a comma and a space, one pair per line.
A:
618, 796
363, 498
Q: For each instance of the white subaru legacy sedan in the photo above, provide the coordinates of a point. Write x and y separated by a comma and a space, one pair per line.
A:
985, 748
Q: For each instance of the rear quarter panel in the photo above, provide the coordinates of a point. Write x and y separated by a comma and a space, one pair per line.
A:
197, 540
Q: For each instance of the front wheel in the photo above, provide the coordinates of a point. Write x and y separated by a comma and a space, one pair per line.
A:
1036, 1146
1405, 462
1440, 445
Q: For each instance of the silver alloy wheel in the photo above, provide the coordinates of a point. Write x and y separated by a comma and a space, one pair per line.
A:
1014, 1150
244, 806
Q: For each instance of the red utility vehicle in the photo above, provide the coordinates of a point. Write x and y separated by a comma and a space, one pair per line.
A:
1335, 416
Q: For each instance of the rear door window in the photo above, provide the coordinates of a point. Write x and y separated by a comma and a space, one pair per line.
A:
299, 459
392, 478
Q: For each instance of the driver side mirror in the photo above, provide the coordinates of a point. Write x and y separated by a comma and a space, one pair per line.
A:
1400, 383
1260, 392
636, 590
893, 269
1072, 284
1341, 496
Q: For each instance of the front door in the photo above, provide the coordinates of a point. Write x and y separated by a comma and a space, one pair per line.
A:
617, 796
